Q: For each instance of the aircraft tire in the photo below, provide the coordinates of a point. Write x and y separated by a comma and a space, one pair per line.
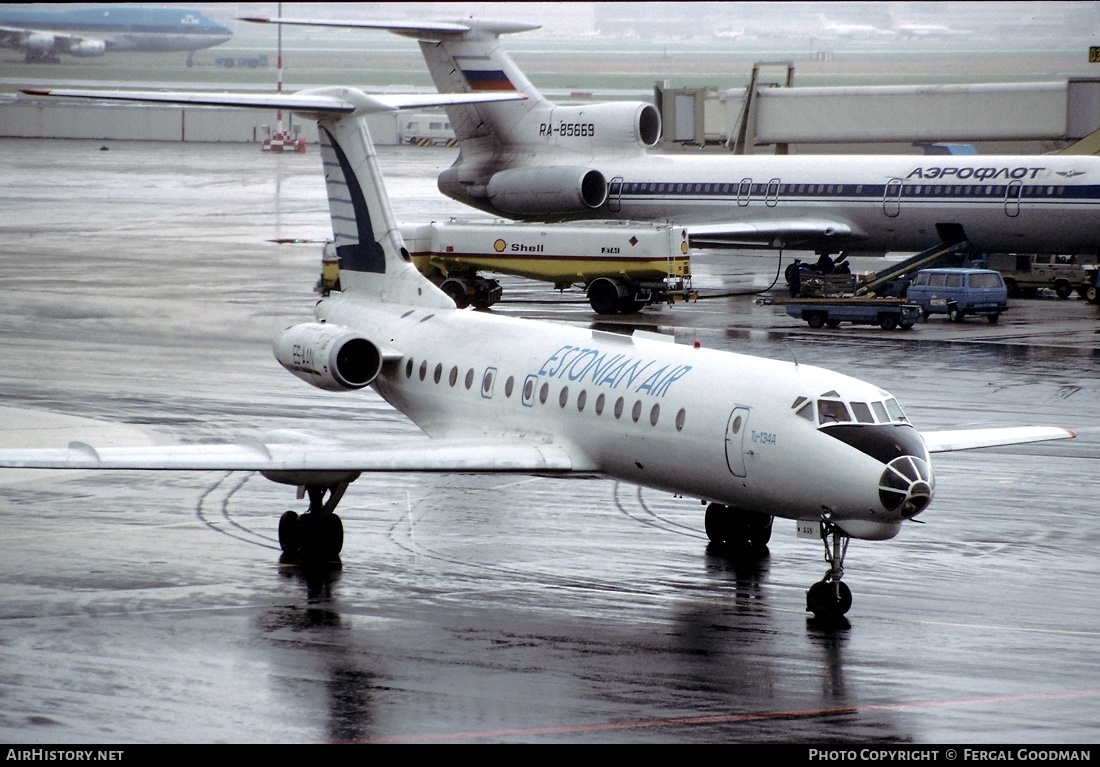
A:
289, 538
754, 530
322, 536
332, 536
716, 522
743, 530
826, 602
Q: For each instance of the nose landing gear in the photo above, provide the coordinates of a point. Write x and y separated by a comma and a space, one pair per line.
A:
830, 597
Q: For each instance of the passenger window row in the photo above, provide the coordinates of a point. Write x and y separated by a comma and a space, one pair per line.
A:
978, 190
422, 373
759, 190
437, 373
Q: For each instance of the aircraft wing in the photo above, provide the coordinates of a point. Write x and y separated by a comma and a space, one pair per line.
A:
970, 439
11, 37
17, 37
773, 233
314, 101
426, 455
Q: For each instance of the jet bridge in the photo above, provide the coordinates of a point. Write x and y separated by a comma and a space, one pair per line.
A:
772, 113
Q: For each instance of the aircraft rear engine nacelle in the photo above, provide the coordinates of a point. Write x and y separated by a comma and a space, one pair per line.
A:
330, 357
611, 124
526, 191
88, 48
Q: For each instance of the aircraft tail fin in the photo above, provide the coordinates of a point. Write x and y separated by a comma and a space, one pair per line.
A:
463, 57
474, 62
372, 255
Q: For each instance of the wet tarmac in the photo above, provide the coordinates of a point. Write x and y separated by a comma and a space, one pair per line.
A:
140, 296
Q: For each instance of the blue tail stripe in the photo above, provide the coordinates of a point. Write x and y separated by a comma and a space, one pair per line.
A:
366, 255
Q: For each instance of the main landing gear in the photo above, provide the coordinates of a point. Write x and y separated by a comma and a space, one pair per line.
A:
830, 597
317, 535
743, 531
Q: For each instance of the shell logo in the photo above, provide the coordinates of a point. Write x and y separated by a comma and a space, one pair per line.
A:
499, 246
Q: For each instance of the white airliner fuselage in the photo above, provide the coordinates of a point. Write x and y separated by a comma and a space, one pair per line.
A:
536, 160
92, 32
754, 438
737, 430
875, 203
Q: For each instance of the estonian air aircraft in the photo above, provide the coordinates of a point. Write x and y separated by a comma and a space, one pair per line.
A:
89, 32
537, 160
753, 438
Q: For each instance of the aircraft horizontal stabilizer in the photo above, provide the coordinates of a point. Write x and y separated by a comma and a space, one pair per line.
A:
777, 233
318, 101
424, 30
971, 439
424, 456
293, 101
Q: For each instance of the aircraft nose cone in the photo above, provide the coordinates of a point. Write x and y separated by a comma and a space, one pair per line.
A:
906, 486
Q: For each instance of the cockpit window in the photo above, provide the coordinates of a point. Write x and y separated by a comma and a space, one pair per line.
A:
807, 410
896, 413
880, 412
832, 411
862, 412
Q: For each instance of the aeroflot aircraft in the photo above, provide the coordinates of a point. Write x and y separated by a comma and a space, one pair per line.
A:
536, 160
87, 32
755, 438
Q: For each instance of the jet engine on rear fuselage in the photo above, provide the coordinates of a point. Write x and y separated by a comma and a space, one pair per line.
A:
561, 190
610, 125
330, 357
539, 187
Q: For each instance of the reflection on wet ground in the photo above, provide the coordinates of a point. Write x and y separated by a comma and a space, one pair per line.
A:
143, 608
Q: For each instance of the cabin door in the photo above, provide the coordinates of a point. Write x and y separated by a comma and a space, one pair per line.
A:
615, 194
891, 200
736, 429
1012, 199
